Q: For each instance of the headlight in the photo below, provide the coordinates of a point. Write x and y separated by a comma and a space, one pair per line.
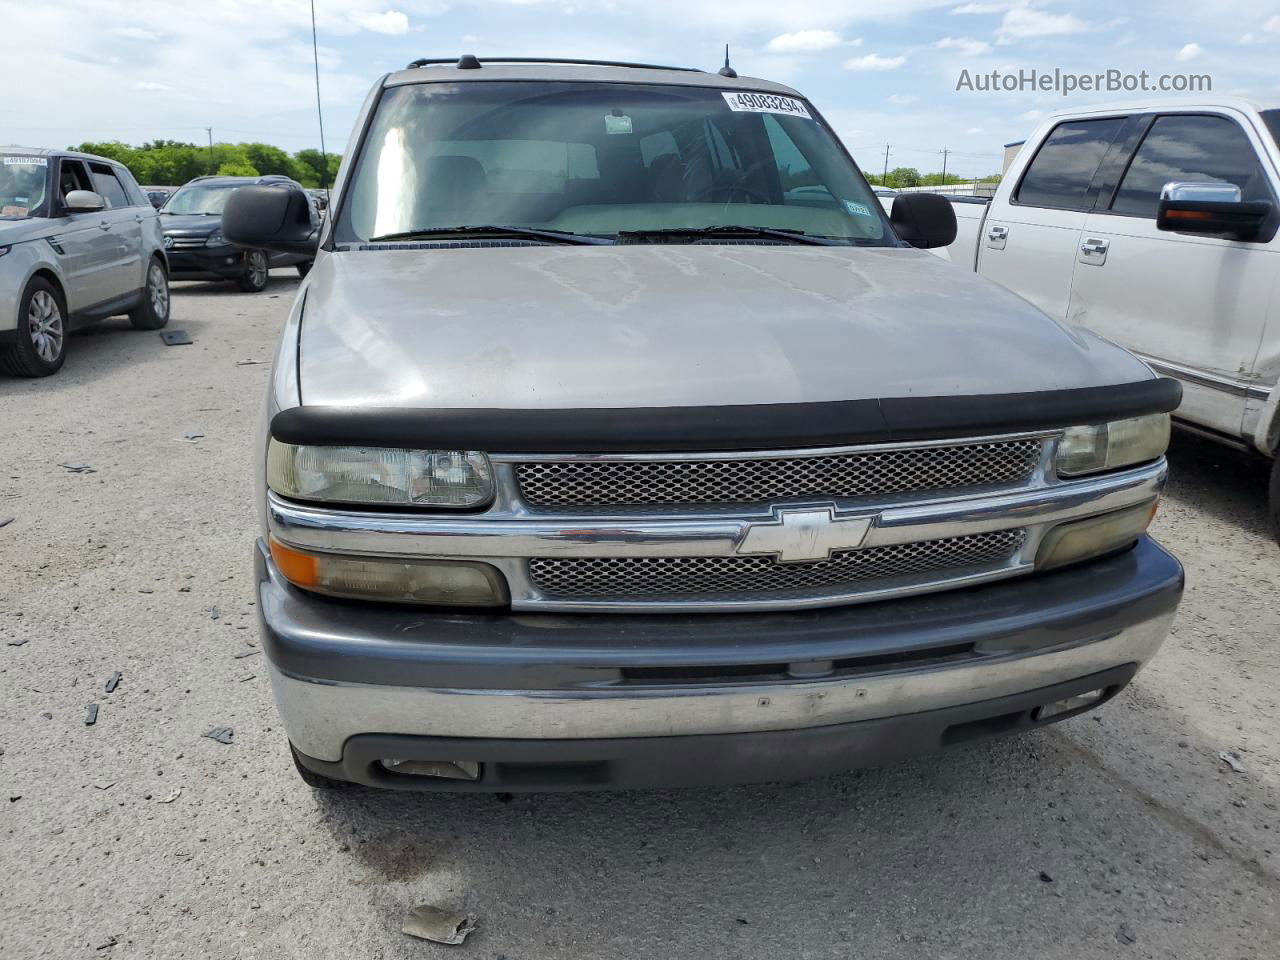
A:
454, 583
378, 476
1109, 446
1083, 539
216, 239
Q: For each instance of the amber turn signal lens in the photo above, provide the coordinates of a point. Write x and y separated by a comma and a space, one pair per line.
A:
297, 567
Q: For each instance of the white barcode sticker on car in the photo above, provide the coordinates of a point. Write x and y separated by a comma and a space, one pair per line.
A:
33, 161
741, 101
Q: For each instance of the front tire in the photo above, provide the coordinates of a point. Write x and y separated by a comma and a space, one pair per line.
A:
256, 270
317, 781
40, 348
1273, 497
153, 312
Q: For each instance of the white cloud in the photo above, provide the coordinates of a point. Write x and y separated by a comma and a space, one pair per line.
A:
135, 33
980, 8
965, 46
1033, 115
902, 99
149, 85
806, 41
973, 130
1021, 23
873, 61
391, 22
1248, 39
1272, 25
1190, 52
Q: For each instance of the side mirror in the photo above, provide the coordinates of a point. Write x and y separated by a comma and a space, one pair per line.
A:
84, 201
270, 218
924, 220
1211, 208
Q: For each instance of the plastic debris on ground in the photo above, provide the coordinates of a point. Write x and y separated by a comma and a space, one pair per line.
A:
175, 338
91, 715
113, 681
221, 734
1232, 760
77, 468
439, 926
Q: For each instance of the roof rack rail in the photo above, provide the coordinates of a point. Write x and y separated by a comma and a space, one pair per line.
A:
469, 62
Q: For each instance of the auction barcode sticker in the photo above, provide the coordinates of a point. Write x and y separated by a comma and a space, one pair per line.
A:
743, 102
34, 161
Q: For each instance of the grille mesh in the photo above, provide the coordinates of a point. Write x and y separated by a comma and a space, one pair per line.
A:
746, 577
570, 483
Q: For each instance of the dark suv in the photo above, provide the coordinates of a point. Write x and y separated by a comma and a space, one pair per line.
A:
193, 239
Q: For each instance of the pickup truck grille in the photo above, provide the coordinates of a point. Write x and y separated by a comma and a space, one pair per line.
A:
676, 578
871, 472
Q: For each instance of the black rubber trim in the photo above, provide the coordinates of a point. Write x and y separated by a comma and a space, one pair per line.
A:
739, 427
527, 766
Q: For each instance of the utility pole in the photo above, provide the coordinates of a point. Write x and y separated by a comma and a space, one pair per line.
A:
945, 152
884, 181
213, 167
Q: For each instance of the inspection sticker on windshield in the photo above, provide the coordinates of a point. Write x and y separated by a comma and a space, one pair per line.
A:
743, 102
33, 161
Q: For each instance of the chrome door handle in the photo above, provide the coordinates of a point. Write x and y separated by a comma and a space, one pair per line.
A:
1094, 251
996, 236
105, 225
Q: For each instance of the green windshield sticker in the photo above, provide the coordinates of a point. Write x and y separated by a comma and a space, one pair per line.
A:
857, 209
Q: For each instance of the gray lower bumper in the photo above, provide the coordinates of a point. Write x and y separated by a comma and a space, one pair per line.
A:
343, 670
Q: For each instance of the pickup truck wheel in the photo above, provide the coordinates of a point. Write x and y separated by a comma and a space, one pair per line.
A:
256, 270
153, 312
305, 267
40, 346
316, 781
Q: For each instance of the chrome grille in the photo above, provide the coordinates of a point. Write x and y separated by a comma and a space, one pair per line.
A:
858, 473
621, 578
188, 243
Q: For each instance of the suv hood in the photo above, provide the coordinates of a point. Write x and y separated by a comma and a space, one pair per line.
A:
689, 325
189, 225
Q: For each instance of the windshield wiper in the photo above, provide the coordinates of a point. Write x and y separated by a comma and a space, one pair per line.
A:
694, 234
532, 233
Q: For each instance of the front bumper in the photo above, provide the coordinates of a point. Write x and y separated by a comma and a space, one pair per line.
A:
549, 701
224, 263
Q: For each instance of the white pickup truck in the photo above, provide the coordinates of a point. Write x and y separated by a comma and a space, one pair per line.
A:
1154, 224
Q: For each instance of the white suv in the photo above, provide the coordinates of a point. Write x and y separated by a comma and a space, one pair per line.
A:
79, 241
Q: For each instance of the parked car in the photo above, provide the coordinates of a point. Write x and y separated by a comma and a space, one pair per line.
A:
599, 453
78, 242
158, 197
1155, 225
197, 247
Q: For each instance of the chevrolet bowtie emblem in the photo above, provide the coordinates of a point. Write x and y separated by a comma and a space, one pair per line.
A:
811, 533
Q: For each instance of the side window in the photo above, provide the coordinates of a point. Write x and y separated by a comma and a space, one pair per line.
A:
71, 176
1192, 149
1062, 170
134, 192
105, 183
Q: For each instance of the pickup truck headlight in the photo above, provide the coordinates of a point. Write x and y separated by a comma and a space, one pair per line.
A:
377, 476
1109, 446
452, 583
216, 239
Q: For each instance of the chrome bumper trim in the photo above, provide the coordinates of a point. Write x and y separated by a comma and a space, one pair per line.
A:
491, 536
320, 716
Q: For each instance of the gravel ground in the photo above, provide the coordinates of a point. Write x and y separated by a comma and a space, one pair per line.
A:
1121, 834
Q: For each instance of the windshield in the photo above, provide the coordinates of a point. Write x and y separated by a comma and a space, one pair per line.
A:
200, 198
23, 185
600, 158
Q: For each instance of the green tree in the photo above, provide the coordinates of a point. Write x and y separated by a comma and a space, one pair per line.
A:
272, 160
903, 177
320, 171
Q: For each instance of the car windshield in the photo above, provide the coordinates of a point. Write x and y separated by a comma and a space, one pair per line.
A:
206, 199
24, 182
602, 158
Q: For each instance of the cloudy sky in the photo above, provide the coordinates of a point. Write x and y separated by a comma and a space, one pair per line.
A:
882, 71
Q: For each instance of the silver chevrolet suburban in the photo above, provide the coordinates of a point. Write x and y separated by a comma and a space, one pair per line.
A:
619, 438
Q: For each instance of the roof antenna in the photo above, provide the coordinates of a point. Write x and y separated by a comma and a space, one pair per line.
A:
726, 70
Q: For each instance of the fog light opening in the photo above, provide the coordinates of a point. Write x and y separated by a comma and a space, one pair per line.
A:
441, 769
1068, 705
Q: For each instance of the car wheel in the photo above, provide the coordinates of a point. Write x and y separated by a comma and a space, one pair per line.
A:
153, 312
1273, 499
305, 267
40, 347
256, 270
317, 781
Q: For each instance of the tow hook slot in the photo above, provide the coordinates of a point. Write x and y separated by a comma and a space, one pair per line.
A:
442, 769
